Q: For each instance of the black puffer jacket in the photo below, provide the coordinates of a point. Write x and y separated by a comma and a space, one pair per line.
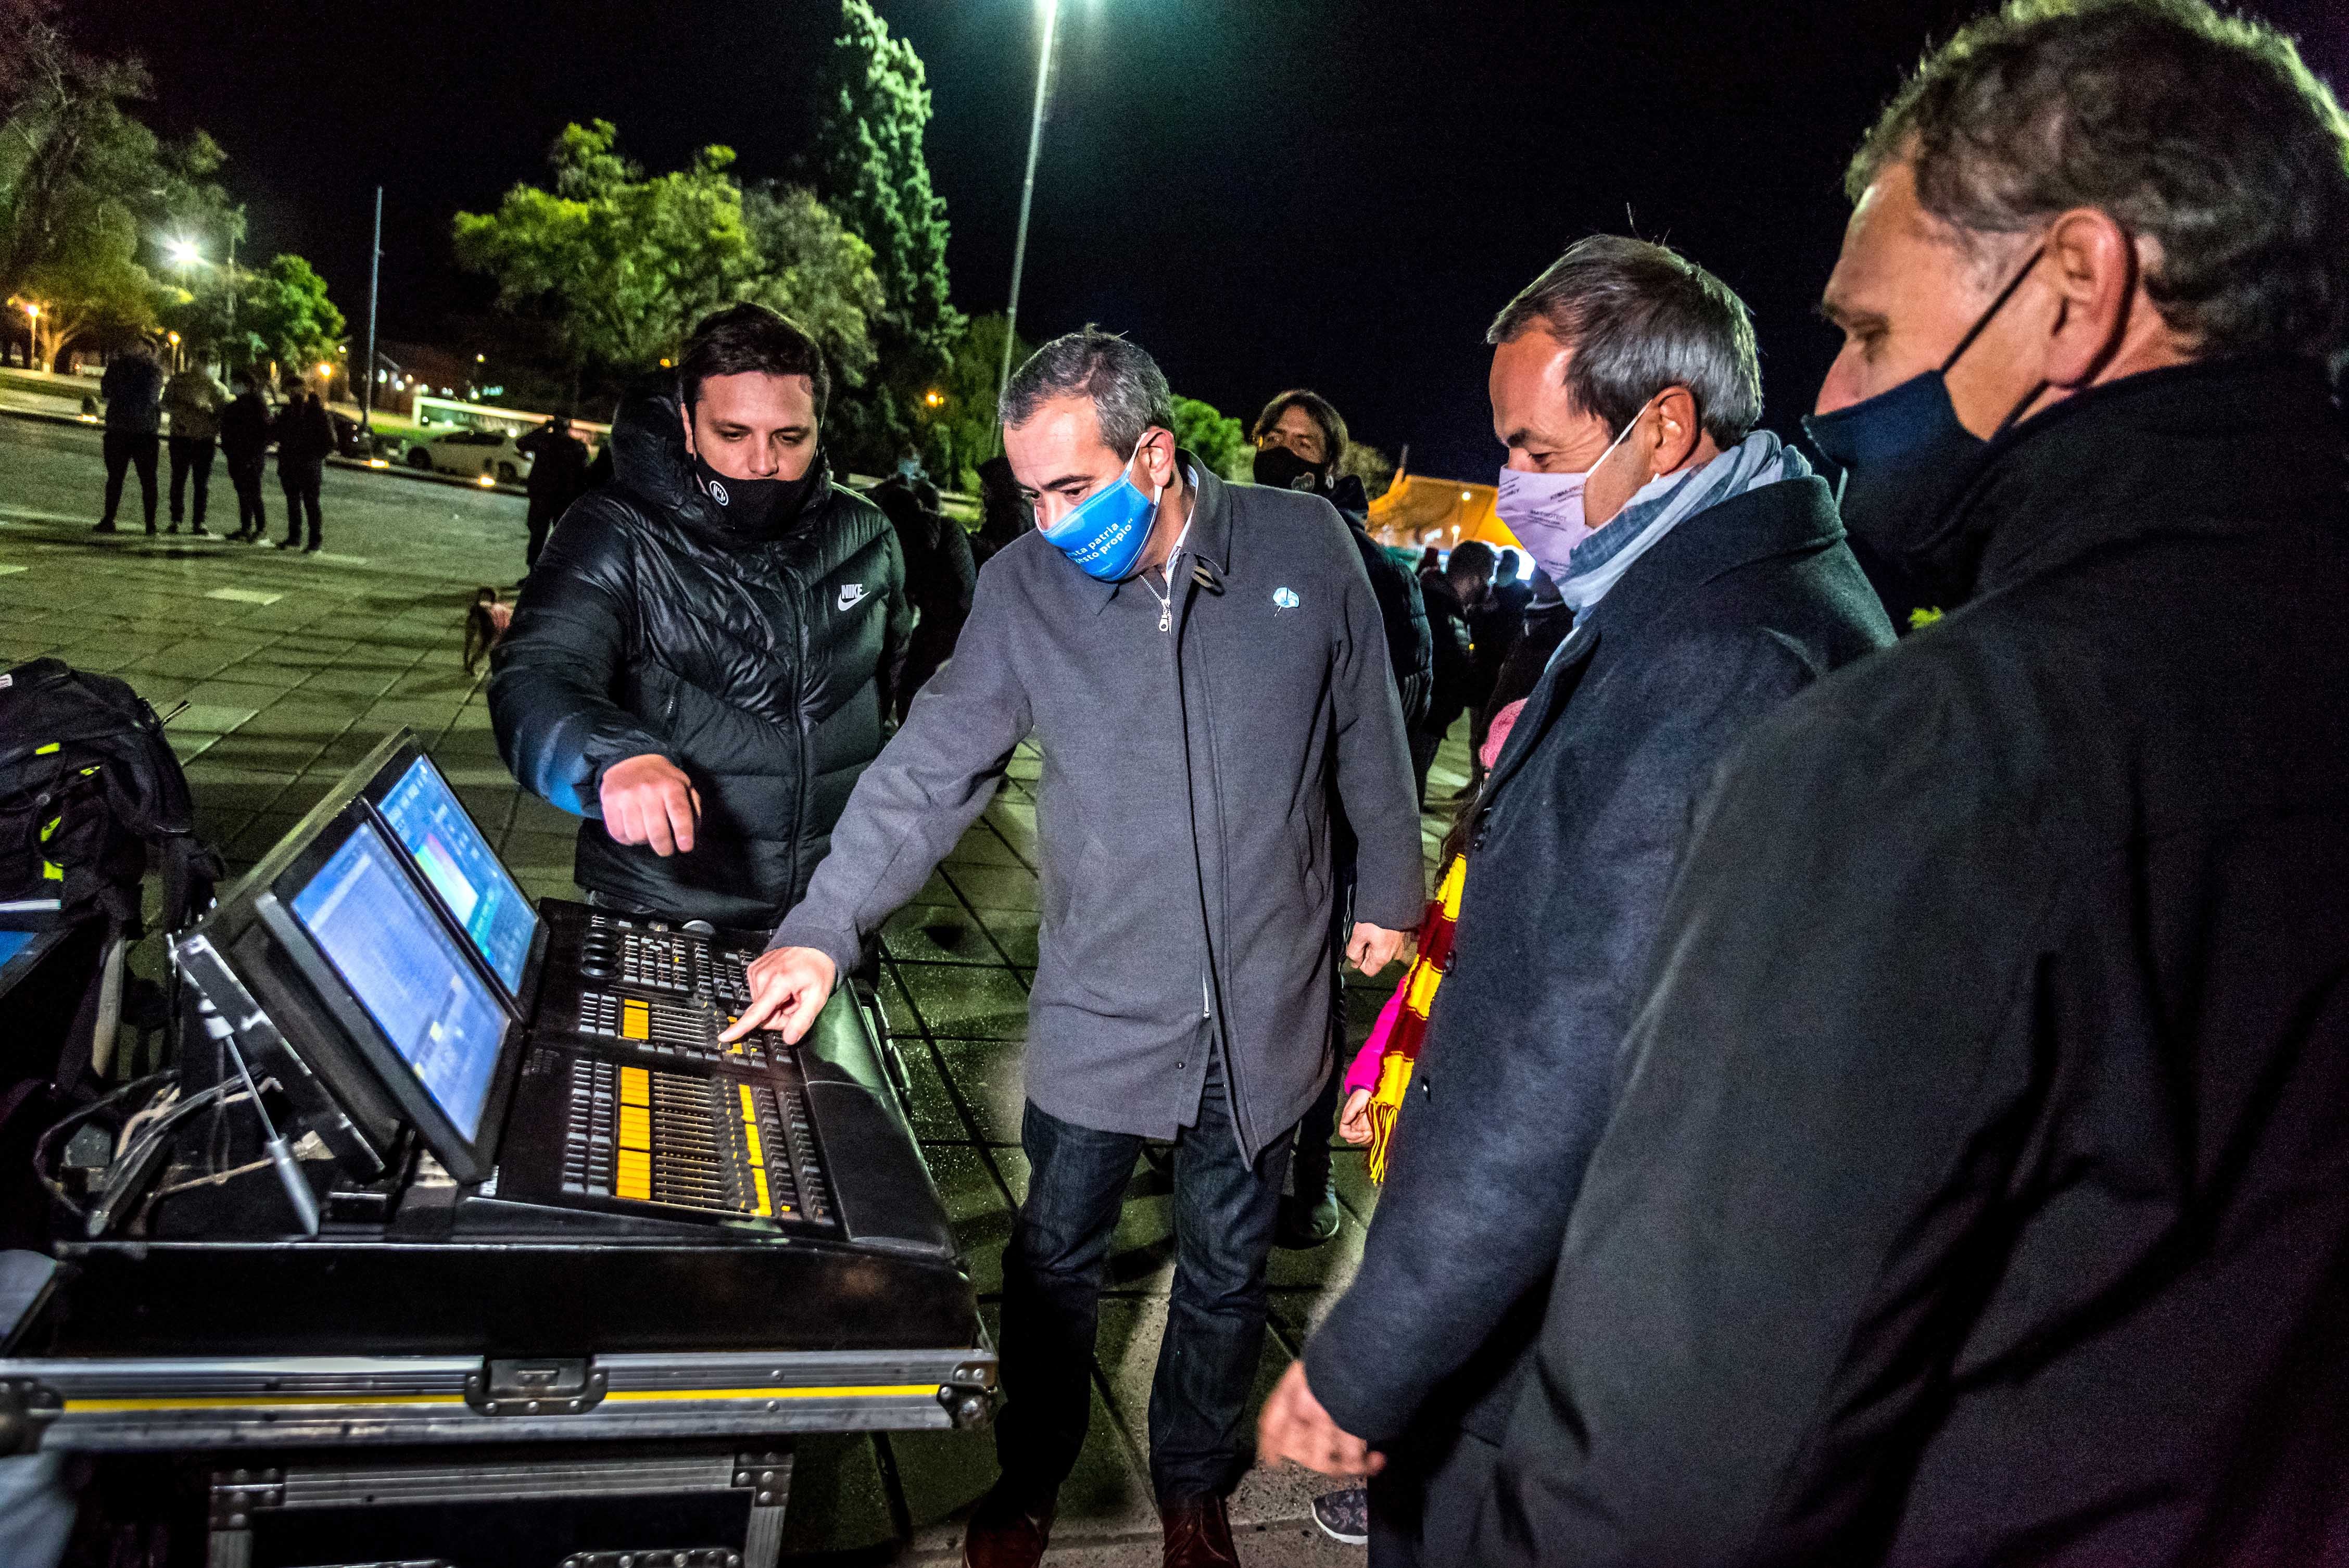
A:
756, 664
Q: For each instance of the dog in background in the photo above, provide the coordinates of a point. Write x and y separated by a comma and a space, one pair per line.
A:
486, 621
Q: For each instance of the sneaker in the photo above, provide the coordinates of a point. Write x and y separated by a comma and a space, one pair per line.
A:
1301, 1225
151, 531
197, 531
173, 529
105, 527
1344, 1516
312, 548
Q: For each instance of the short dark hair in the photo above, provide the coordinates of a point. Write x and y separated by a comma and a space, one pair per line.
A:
745, 338
1128, 390
1642, 317
2202, 132
1332, 423
1473, 559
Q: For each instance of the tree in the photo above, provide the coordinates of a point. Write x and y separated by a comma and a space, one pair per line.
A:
954, 417
1370, 465
622, 264
81, 179
817, 273
1217, 438
286, 316
871, 169
618, 261
89, 276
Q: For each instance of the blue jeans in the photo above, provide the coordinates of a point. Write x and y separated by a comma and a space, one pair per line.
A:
1224, 1208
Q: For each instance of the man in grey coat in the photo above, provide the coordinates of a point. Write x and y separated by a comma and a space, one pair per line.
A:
1198, 664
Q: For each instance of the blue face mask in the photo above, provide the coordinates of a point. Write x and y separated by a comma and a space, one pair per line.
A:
1106, 533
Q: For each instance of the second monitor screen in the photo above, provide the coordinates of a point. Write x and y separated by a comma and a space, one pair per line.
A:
472, 883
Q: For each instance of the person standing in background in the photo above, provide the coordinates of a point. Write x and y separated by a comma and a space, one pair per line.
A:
940, 577
558, 476
245, 444
305, 437
133, 390
1301, 445
1495, 626
195, 401
1449, 595
1003, 514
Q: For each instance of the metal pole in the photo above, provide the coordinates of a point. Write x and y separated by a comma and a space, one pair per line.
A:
375, 275
1028, 191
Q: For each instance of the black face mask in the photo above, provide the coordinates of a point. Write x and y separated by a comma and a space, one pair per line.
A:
1280, 469
754, 508
1906, 458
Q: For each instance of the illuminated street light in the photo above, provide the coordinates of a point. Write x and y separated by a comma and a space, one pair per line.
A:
933, 399
184, 253
1050, 10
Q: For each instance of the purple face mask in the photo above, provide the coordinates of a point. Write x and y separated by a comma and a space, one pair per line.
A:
1544, 511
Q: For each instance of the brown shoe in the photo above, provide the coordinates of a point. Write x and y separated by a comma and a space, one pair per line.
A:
1198, 1533
1003, 1533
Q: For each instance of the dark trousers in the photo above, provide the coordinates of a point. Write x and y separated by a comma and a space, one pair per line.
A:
252, 515
1423, 1505
191, 459
127, 449
544, 510
300, 480
1224, 1208
1311, 1173
1424, 742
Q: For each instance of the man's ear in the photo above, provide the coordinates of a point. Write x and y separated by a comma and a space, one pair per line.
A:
1158, 457
2094, 268
685, 416
1677, 430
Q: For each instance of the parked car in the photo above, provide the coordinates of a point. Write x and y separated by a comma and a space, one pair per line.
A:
471, 453
350, 441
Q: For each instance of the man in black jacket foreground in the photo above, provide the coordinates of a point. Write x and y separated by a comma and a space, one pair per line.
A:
1711, 582
1979, 1189
1301, 444
698, 665
1200, 664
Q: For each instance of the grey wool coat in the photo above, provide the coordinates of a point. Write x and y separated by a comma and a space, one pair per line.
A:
1183, 814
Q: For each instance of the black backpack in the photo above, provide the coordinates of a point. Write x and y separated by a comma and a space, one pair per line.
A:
89, 790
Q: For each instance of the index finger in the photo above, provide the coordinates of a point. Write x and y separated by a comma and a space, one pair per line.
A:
755, 1015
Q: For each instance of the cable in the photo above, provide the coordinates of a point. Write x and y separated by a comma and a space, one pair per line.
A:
48, 1140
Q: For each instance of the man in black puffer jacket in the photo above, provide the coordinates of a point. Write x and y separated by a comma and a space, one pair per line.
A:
699, 667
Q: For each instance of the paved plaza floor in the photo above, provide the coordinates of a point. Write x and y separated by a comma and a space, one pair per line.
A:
292, 668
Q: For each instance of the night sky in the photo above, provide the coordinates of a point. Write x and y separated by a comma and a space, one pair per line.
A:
1263, 192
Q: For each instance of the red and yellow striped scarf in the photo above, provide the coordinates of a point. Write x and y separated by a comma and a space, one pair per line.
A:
1416, 993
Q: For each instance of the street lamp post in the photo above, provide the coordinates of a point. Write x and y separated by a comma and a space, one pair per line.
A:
1051, 9
375, 274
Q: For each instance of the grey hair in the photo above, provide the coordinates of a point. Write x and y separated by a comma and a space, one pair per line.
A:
1127, 388
2204, 132
1641, 317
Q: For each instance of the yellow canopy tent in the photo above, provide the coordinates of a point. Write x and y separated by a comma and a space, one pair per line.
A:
1419, 510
